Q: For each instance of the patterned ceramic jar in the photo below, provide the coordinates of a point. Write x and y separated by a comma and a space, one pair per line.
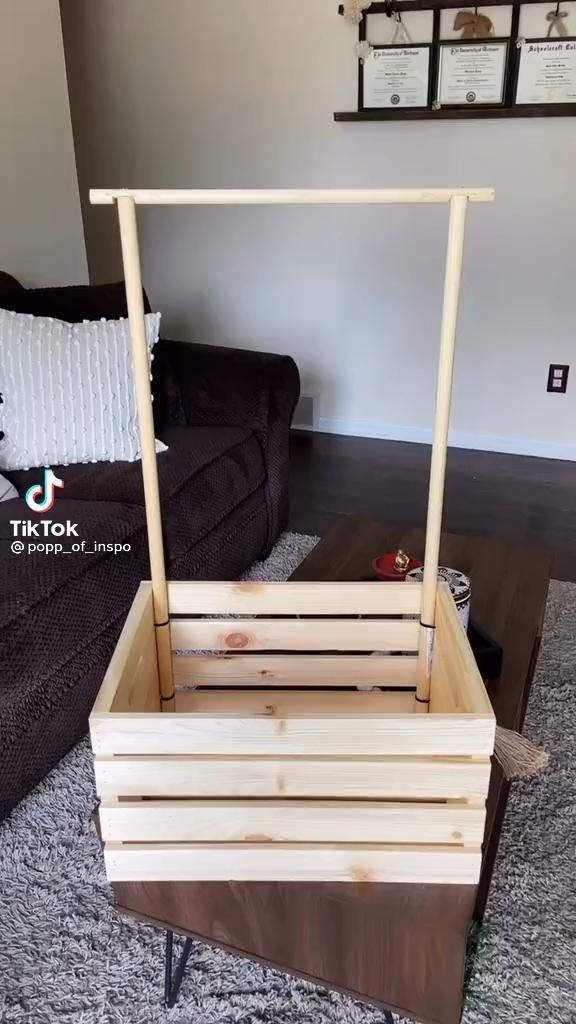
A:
460, 588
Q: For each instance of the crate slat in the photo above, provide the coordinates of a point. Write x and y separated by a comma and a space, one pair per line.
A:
280, 722
296, 704
361, 777
292, 862
295, 670
295, 634
250, 598
290, 821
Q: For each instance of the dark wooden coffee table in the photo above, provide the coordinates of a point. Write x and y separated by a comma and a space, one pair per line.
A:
400, 946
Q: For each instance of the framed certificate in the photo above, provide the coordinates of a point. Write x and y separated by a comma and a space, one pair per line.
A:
472, 73
455, 59
547, 71
396, 76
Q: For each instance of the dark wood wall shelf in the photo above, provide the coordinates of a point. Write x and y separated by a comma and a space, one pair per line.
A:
435, 5
455, 114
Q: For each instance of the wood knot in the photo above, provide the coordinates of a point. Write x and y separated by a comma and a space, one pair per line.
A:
237, 640
361, 874
248, 587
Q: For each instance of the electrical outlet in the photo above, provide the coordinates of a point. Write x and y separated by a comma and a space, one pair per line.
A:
558, 378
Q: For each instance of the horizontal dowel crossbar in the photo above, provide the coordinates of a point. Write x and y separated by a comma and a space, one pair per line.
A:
287, 197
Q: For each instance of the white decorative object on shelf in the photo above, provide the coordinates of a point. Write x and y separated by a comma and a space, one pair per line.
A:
363, 50
354, 10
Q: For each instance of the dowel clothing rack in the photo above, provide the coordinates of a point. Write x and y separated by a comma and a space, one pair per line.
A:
127, 200
271, 765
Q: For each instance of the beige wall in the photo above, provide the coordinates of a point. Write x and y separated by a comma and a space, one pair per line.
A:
241, 93
41, 236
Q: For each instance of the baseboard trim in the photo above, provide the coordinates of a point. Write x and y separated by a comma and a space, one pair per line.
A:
458, 438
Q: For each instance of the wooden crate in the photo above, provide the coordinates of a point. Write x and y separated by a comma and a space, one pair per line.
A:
253, 778
272, 765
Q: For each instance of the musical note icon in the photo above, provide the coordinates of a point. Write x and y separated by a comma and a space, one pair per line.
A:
40, 497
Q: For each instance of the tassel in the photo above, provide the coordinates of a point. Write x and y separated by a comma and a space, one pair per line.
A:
555, 19
517, 756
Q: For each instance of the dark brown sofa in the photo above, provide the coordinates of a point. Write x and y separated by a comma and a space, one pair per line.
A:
225, 416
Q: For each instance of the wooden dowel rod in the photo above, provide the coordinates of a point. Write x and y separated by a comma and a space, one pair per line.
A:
287, 197
141, 364
453, 274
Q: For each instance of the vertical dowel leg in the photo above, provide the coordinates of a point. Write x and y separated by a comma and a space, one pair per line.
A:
133, 278
453, 274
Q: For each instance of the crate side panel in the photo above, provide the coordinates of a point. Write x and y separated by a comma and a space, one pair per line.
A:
131, 680
456, 683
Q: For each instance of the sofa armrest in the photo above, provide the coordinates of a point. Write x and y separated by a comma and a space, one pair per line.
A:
207, 385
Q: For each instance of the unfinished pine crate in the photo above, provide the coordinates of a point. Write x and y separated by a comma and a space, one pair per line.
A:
255, 756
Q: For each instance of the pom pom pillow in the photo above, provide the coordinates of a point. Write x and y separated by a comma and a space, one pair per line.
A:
67, 391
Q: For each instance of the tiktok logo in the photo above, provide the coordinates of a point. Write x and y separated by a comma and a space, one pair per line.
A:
40, 497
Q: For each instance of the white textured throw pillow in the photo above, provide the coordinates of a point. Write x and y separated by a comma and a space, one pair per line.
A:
67, 391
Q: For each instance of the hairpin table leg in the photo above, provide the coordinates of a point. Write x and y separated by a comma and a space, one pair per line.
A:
173, 981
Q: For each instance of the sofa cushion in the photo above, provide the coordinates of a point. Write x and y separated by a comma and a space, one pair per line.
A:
205, 474
55, 605
63, 602
191, 450
73, 303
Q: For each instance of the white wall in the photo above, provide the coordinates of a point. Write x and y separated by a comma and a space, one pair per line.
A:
221, 93
41, 233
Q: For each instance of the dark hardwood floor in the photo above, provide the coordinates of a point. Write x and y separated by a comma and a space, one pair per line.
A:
507, 496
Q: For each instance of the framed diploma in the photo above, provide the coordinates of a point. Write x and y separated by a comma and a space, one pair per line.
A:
436, 60
547, 71
472, 72
396, 76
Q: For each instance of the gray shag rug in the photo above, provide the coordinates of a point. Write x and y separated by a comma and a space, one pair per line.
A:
67, 956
